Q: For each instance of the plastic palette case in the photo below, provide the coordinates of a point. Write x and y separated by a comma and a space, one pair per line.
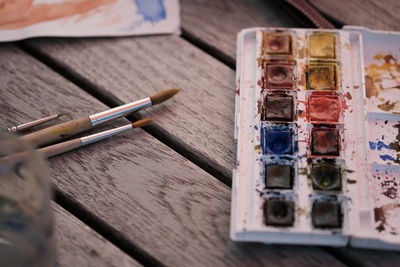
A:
317, 123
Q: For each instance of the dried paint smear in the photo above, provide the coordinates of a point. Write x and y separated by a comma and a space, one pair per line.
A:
384, 141
385, 191
382, 82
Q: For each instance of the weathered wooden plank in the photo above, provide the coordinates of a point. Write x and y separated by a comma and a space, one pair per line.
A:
369, 257
79, 245
160, 201
377, 15
218, 22
201, 115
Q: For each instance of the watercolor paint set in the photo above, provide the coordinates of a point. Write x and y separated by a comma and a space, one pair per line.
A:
317, 124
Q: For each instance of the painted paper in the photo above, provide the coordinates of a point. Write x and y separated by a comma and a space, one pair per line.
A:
31, 18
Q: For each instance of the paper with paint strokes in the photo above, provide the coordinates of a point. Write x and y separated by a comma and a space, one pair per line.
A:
20, 19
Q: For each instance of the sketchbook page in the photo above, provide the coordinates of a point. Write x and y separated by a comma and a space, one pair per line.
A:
32, 18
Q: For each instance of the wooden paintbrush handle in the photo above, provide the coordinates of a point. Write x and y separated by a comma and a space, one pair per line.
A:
58, 132
60, 148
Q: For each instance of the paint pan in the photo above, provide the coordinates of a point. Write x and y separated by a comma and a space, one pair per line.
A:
277, 140
326, 214
277, 46
279, 175
279, 212
325, 141
322, 45
318, 126
278, 43
326, 175
278, 106
324, 108
322, 76
278, 75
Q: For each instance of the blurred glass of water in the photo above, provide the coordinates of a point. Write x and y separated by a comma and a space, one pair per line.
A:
26, 232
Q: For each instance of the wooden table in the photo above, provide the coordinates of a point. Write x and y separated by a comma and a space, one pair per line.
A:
161, 195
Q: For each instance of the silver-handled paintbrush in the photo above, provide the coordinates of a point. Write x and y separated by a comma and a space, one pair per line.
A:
66, 129
28, 125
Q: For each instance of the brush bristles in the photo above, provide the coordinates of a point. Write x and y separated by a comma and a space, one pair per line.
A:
163, 95
142, 122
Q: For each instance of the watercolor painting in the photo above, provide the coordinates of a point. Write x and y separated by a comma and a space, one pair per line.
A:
30, 18
382, 72
382, 91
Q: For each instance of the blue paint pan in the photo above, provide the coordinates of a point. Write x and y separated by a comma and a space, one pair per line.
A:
278, 141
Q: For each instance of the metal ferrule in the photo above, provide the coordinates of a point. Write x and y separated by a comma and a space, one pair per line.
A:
119, 111
99, 136
31, 124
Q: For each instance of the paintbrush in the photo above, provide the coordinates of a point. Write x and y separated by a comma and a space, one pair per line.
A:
63, 147
59, 148
31, 124
66, 129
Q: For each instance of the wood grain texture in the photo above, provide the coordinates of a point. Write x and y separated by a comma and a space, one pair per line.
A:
79, 245
376, 15
144, 190
370, 257
200, 115
218, 22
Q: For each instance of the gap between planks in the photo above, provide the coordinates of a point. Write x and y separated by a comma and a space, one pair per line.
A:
79, 245
209, 49
107, 231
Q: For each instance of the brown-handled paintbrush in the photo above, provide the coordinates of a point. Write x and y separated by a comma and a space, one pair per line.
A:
66, 129
60, 148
